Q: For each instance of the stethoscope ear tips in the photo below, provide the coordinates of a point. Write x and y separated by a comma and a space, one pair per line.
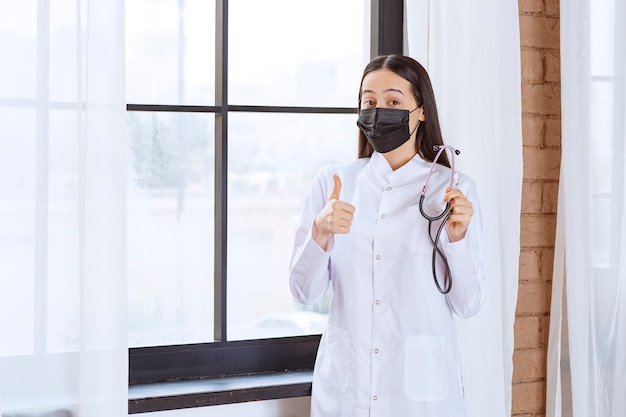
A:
437, 147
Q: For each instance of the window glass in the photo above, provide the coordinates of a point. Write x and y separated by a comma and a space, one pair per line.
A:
18, 169
170, 228
281, 53
602, 20
606, 140
18, 75
296, 53
273, 159
170, 52
62, 306
602, 105
63, 54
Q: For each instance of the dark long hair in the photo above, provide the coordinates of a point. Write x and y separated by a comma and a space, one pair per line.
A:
429, 131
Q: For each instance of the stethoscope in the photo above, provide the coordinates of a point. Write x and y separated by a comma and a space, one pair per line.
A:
454, 179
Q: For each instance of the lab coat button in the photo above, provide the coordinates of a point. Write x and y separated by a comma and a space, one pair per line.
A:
377, 302
375, 350
375, 397
377, 257
389, 188
382, 216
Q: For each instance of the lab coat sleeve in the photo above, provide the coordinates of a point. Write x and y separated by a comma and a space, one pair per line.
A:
309, 274
466, 263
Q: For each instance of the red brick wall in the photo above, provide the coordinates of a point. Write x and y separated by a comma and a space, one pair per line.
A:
541, 130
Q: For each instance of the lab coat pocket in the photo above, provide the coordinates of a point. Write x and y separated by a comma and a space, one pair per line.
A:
415, 231
425, 376
335, 358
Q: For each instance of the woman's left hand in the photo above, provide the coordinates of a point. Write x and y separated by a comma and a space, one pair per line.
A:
462, 211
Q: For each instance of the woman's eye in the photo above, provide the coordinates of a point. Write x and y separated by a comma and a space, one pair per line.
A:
369, 103
394, 102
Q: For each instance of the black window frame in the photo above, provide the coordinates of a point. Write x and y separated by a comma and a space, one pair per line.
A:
223, 358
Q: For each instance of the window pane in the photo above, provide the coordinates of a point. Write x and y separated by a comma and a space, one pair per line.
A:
170, 49
63, 255
18, 46
602, 149
602, 37
273, 159
63, 54
18, 169
601, 229
170, 228
297, 53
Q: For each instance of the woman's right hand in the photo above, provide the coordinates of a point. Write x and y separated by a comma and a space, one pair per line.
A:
336, 217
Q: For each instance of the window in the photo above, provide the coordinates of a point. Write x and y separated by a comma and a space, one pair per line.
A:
607, 99
233, 107
608, 133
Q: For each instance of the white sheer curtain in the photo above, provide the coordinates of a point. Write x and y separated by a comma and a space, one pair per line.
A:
587, 344
63, 333
471, 51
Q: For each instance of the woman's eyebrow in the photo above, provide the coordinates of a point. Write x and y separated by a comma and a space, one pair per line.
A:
397, 90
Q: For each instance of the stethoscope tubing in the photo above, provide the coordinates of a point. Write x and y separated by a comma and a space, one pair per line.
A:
443, 216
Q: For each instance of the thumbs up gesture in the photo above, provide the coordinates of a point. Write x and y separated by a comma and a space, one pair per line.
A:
336, 217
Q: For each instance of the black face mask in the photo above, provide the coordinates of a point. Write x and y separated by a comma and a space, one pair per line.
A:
385, 129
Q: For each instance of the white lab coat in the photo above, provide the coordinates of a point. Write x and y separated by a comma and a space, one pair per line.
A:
390, 346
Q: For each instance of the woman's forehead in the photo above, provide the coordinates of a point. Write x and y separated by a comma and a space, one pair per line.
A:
383, 80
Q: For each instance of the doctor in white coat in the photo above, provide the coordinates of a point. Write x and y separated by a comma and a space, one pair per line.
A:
390, 346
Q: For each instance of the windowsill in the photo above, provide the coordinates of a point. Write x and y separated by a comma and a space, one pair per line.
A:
162, 396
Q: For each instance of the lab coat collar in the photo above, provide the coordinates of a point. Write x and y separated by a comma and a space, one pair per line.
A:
404, 172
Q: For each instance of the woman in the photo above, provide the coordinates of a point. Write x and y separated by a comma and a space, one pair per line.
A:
390, 346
